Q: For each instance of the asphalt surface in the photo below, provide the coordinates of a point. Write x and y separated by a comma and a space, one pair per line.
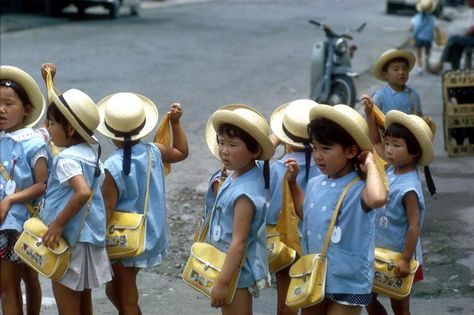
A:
454, 204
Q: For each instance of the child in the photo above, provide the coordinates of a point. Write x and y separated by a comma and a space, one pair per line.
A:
289, 123
73, 206
342, 151
125, 119
407, 144
394, 66
24, 157
423, 26
237, 224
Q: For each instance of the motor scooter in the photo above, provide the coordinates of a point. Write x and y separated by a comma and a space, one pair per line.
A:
331, 71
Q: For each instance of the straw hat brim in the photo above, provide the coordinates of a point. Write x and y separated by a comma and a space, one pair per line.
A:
389, 55
32, 90
416, 129
276, 124
151, 114
344, 121
229, 117
91, 139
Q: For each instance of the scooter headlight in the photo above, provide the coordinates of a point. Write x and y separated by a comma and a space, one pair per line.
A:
340, 46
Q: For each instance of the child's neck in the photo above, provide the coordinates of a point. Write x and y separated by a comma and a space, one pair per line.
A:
397, 87
402, 169
243, 170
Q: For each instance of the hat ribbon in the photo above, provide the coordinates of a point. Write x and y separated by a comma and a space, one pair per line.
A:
124, 134
293, 137
83, 126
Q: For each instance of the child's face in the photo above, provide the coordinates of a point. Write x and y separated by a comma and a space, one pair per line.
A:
57, 133
234, 154
12, 110
396, 74
333, 160
396, 152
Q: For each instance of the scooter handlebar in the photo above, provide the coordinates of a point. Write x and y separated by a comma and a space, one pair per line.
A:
315, 22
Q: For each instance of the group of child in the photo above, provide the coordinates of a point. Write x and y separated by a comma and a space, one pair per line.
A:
243, 198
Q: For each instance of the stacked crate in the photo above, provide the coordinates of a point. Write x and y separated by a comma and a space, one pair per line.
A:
458, 113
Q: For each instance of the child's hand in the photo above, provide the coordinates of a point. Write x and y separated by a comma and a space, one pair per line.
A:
368, 104
50, 66
5, 205
365, 159
175, 112
52, 235
402, 268
292, 170
218, 295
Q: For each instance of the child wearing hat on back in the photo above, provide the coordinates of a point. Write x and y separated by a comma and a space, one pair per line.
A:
342, 152
24, 158
289, 124
73, 206
237, 222
394, 66
125, 119
407, 143
423, 27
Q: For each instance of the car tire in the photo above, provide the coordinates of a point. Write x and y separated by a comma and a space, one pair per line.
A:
114, 9
135, 9
53, 7
391, 8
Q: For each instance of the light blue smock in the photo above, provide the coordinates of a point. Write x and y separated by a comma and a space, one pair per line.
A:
132, 189
251, 185
58, 195
392, 234
351, 260
19, 151
407, 101
423, 26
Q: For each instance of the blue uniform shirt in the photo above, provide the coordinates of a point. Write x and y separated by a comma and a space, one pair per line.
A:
19, 152
407, 101
351, 259
78, 159
423, 27
132, 189
391, 220
251, 185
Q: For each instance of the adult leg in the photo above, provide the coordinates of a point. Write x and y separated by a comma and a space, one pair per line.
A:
10, 278
401, 307
454, 48
33, 291
125, 286
283, 282
241, 305
68, 301
340, 309
375, 307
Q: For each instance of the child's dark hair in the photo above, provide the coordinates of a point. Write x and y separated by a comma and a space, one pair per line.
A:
327, 132
234, 131
397, 130
55, 114
19, 90
397, 59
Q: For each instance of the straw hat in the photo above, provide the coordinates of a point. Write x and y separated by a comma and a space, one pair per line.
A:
289, 122
126, 114
247, 119
390, 55
349, 119
426, 6
81, 112
419, 128
32, 90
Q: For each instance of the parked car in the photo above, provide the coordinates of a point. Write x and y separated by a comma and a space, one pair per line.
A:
55, 7
410, 5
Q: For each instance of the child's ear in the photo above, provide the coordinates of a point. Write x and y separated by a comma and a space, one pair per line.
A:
28, 110
70, 130
352, 151
257, 153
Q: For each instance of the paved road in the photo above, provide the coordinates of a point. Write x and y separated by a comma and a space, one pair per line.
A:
211, 53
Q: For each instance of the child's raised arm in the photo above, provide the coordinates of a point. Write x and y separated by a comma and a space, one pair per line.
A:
374, 134
179, 150
296, 192
243, 214
374, 194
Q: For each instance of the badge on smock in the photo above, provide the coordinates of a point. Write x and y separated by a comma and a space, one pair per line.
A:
216, 233
383, 222
336, 235
10, 187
